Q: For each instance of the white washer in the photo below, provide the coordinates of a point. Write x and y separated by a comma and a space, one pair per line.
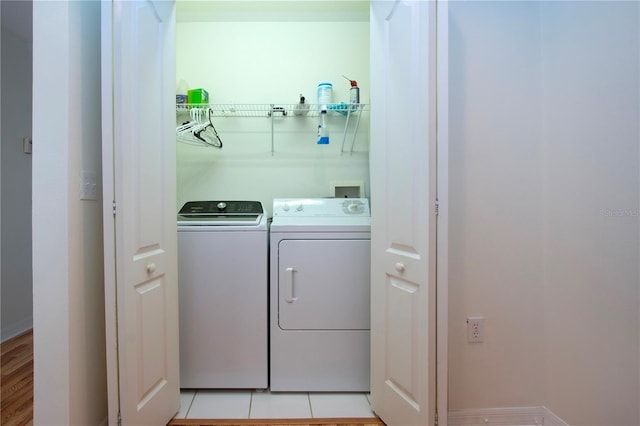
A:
320, 295
223, 286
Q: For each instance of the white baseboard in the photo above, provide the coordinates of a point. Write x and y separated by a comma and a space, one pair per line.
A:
511, 416
12, 330
550, 418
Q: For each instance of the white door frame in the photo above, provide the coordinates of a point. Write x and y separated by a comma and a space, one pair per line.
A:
108, 220
442, 227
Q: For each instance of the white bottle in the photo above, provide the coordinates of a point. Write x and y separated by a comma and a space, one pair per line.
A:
325, 94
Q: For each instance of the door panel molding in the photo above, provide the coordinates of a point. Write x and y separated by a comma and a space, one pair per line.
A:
141, 291
403, 184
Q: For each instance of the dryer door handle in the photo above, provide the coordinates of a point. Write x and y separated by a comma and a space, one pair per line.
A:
288, 283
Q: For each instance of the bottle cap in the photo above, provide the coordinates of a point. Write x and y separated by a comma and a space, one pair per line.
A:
353, 82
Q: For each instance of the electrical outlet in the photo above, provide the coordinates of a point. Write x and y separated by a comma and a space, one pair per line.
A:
475, 329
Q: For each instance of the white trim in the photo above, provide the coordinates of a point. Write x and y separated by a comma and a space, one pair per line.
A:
551, 419
498, 416
16, 328
108, 197
442, 191
2, 332
505, 416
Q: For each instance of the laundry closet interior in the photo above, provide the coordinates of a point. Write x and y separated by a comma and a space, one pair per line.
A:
262, 64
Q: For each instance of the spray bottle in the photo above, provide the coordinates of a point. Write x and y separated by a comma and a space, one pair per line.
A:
354, 92
323, 130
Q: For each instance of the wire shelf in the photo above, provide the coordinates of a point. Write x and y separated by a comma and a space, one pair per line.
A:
277, 110
192, 130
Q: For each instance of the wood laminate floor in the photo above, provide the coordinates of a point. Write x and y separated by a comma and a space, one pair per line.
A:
16, 360
16, 365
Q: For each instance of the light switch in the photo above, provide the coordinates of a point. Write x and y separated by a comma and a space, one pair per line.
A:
88, 186
26, 145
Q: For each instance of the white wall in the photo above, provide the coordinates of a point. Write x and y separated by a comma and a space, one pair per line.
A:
69, 339
259, 62
545, 186
16, 290
591, 71
495, 232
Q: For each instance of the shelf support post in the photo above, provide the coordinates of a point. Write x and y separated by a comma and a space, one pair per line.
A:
271, 114
355, 131
346, 126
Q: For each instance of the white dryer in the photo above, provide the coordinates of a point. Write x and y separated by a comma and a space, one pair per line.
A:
320, 295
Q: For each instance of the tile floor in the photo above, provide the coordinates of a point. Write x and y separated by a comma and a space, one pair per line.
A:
246, 404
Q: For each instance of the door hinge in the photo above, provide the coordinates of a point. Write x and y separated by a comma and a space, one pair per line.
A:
119, 419
436, 419
113, 205
437, 207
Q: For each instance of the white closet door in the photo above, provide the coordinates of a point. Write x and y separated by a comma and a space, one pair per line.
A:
138, 43
402, 164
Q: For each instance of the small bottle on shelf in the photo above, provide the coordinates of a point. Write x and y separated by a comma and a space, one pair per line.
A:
354, 92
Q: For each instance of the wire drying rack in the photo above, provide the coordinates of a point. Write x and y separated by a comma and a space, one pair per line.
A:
271, 111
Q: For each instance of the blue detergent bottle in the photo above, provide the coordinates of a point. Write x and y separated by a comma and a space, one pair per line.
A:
323, 130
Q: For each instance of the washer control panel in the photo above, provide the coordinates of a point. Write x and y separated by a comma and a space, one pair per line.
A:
321, 207
213, 213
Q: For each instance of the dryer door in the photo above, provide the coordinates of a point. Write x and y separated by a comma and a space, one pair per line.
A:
324, 284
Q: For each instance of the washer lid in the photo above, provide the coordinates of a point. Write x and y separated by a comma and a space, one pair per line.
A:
220, 213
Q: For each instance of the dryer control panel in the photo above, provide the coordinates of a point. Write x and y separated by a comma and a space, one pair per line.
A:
321, 207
